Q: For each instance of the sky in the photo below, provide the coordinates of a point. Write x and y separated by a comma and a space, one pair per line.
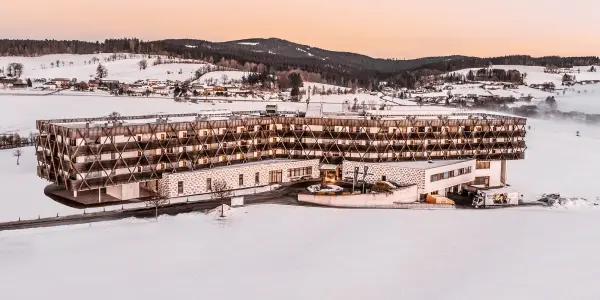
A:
379, 28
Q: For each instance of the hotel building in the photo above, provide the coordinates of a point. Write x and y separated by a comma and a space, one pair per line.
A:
180, 155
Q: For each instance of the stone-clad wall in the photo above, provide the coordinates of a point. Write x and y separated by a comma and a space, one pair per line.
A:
392, 173
194, 182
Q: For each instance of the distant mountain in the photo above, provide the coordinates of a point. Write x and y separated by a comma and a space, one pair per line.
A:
274, 48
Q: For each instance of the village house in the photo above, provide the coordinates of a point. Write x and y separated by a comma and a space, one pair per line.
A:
109, 83
197, 88
19, 84
93, 84
161, 90
64, 83
138, 89
6, 82
152, 82
49, 86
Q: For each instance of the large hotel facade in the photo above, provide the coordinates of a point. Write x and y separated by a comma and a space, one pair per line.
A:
182, 155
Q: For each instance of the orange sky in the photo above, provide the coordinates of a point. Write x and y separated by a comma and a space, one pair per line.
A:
379, 28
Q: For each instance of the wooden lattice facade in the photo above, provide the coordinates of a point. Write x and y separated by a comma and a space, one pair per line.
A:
81, 155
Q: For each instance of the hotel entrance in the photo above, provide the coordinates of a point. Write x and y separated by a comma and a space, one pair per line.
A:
330, 173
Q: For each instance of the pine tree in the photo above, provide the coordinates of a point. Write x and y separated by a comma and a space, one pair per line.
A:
101, 71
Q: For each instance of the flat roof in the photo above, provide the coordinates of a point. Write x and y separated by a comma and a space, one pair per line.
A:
424, 165
254, 163
233, 115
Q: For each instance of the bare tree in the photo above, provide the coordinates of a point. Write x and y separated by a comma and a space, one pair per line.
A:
143, 64
17, 154
15, 69
221, 192
224, 79
156, 201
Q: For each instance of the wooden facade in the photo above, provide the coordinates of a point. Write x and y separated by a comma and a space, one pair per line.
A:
166, 146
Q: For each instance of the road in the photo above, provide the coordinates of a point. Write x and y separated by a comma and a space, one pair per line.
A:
285, 195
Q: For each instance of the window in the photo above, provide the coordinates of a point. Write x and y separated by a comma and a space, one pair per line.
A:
208, 184
257, 178
275, 176
180, 187
162, 166
139, 169
483, 165
485, 180
139, 153
298, 172
162, 136
241, 180
184, 163
383, 178
139, 138
184, 134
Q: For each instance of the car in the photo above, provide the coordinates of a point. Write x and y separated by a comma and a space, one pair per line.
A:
328, 188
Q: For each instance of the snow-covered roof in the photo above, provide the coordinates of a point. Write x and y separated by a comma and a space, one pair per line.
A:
424, 165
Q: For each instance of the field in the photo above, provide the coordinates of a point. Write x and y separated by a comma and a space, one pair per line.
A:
125, 70
275, 252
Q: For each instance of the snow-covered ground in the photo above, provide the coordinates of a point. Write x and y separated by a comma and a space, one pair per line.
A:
582, 98
273, 252
217, 77
321, 87
125, 70
536, 75
531, 253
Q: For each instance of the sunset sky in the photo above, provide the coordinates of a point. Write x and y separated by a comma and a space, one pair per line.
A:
379, 28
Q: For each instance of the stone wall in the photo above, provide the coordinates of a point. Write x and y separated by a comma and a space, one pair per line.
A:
392, 173
195, 182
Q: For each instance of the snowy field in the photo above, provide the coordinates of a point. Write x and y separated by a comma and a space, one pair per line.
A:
536, 75
275, 252
584, 99
217, 77
282, 252
125, 70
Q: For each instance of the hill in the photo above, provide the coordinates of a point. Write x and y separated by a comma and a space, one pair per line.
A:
334, 67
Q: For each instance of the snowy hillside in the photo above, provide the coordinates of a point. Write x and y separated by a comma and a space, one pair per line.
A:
536, 75
217, 77
78, 66
322, 87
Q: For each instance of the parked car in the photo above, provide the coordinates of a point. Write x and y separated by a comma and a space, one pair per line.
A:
328, 188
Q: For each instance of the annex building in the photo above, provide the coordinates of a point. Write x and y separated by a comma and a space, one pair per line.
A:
178, 155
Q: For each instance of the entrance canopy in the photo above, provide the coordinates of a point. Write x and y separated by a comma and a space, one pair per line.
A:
329, 167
